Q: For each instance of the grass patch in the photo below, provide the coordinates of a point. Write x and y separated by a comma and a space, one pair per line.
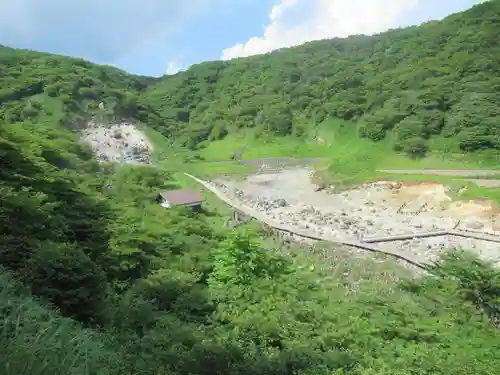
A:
206, 170
350, 159
251, 147
475, 191
353, 160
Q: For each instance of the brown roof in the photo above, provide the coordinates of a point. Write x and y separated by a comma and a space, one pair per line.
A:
182, 196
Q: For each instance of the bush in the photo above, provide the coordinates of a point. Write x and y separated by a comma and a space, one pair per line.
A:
373, 132
65, 276
414, 147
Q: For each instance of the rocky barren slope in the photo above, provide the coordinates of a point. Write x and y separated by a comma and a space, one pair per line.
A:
120, 142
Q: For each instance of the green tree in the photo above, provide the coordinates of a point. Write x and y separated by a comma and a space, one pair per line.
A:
69, 279
414, 147
239, 260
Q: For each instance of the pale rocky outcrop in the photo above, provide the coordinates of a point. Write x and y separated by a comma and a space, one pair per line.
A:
119, 142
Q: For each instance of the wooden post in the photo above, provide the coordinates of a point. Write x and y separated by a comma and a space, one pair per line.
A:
422, 207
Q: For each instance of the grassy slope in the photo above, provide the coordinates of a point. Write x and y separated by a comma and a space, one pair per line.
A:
349, 159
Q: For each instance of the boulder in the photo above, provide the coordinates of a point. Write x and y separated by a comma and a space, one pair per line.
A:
282, 203
473, 224
319, 187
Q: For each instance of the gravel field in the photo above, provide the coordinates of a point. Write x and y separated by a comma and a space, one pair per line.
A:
374, 209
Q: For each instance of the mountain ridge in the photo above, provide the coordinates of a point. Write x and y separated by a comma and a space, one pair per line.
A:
431, 86
410, 82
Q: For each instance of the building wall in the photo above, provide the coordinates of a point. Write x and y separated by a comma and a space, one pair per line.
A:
192, 204
196, 206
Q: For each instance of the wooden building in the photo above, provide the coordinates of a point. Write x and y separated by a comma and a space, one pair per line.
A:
181, 197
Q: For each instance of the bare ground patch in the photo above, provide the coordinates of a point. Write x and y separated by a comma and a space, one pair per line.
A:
484, 182
380, 208
119, 142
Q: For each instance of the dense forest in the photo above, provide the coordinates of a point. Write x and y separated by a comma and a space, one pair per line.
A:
95, 278
437, 79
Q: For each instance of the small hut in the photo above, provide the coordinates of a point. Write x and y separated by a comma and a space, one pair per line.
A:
181, 197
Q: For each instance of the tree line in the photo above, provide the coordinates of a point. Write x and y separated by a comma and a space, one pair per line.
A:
436, 80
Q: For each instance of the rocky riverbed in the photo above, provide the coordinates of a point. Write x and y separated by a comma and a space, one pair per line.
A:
372, 210
120, 142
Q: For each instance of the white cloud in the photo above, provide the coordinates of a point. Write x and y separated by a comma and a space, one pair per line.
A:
174, 67
293, 22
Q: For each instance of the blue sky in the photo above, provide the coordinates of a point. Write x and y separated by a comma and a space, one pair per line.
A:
155, 37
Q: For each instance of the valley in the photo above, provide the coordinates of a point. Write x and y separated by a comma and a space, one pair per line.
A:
350, 223
281, 190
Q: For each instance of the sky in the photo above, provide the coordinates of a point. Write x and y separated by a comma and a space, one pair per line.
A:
157, 37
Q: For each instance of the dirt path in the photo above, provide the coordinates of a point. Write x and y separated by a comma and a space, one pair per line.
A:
489, 183
484, 182
444, 172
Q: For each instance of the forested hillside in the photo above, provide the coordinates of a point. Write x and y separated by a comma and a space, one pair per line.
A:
438, 79
35, 84
124, 286
96, 278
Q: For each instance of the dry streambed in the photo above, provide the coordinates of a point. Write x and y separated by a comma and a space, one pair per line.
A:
375, 209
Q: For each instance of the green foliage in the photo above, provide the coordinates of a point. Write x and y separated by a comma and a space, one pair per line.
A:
239, 260
478, 281
439, 79
69, 279
76, 85
148, 290
414, 147
474, 122
34, 340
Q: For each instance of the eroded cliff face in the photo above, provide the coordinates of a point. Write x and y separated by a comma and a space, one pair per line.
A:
119, 142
